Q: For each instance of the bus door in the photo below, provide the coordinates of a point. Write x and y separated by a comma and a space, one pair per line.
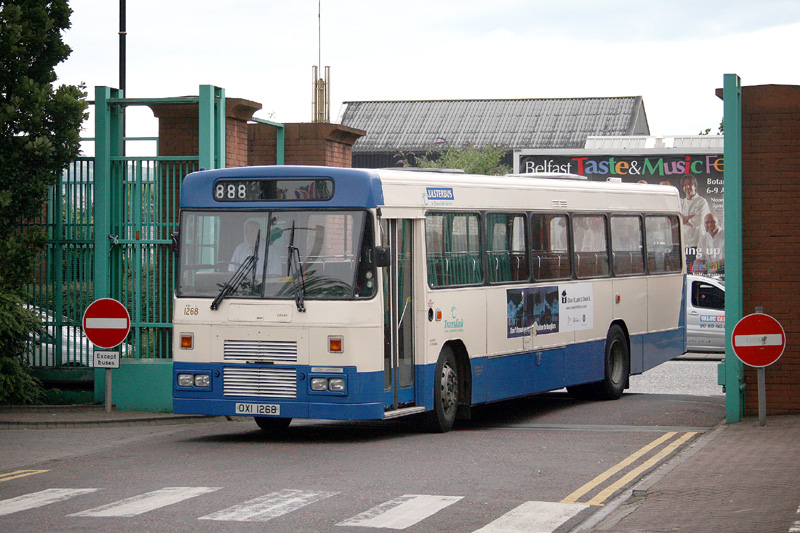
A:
399, 316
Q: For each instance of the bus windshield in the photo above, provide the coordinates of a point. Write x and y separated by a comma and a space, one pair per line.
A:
291, 255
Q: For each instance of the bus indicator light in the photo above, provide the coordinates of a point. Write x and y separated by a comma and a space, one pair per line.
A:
335, 344
187, 341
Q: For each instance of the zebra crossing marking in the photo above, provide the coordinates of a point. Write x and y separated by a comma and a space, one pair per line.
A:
39, 499
146, 502
401, 512
269, 506
534, 517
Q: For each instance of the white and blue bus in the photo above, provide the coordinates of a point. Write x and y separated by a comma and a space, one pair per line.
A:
353, 294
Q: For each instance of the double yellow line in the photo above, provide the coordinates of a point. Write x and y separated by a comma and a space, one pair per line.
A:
8, 476
605, 493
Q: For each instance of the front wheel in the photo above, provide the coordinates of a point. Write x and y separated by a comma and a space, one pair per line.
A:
445, 393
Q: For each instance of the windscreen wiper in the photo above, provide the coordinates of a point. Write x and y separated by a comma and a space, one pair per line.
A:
247, 265
299, 280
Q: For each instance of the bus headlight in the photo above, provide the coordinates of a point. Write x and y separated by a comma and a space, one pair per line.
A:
319, 384
200, 381
336, 385
185, 380
330, 385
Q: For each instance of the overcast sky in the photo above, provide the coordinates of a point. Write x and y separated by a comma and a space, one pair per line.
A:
674, 54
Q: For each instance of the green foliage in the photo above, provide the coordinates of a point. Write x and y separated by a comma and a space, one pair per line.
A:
467, 157
720, 129
17, 385
39, 137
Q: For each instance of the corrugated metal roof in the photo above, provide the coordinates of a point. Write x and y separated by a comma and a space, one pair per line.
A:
514, 124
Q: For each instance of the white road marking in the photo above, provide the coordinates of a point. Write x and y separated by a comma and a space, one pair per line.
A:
39, 499
796, 524
401, 512
147, 502
269, 506
534, 517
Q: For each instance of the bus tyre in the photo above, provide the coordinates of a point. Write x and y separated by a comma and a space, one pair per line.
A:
617, 365
445, 393
268, 423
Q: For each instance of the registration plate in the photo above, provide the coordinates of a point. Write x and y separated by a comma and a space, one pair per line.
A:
259, 409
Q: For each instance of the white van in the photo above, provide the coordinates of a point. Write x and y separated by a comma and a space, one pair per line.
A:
705, 314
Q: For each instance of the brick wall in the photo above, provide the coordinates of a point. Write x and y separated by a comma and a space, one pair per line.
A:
304, 144
771, 232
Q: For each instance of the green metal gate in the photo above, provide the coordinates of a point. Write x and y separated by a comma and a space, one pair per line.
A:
109, 221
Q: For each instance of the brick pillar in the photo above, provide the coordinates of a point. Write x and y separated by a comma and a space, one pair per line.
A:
178, 129
771, 239
237, 113
178, 135
322, 144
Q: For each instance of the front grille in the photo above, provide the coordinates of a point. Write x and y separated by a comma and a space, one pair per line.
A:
279, 352
261, 382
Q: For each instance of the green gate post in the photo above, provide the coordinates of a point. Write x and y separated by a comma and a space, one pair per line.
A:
280, 138
211, 123
733, 368
108, 144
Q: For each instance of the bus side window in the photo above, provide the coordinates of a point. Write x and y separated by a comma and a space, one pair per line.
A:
550, 257
453, 241
591, 245
506, 248
626, 245
433, 246
663, 243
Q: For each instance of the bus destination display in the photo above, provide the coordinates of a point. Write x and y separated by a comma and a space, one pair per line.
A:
272, 190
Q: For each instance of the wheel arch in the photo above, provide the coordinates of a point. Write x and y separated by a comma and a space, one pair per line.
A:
621, 323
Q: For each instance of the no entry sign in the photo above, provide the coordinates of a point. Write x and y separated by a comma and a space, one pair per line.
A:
758, 340
106, 322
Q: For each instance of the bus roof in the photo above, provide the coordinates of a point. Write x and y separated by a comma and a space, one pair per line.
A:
420, 190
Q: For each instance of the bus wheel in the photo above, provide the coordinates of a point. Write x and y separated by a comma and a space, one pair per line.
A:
268, 423
617, 365
445, 393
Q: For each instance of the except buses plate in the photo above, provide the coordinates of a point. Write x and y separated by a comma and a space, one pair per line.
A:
259, 409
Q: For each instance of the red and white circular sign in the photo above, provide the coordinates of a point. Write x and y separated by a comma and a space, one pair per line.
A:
758, 340
106, 322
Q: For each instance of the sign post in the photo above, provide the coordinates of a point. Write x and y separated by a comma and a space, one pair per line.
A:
758, 341
106, 323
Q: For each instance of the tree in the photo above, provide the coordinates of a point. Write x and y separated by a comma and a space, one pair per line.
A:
467, 157
39, 137
720, 129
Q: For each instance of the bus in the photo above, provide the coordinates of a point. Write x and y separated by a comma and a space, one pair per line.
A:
360, 294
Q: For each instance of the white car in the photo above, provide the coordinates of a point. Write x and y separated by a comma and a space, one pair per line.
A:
76, 349
705, 314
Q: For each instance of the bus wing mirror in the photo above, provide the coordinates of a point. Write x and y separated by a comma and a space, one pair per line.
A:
381, 255
176, 239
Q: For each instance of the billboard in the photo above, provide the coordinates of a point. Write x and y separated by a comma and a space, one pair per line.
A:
698, 177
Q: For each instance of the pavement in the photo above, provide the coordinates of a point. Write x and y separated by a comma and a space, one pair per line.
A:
86, 416
739, 477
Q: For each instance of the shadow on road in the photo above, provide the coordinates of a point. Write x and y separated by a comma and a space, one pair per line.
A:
555, 409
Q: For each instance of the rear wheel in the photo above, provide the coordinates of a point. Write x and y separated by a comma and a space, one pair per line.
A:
617, 365
445, 393
272, 424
